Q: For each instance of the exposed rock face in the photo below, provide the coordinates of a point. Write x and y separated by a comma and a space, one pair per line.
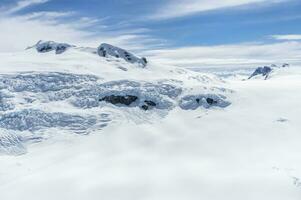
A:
264, 71
148, 104
105, 50
192, 102
61, 48
47, 46
128, 100
124, 100
211, 101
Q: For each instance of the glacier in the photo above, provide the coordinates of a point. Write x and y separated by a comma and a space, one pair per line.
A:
23, 94
79, 125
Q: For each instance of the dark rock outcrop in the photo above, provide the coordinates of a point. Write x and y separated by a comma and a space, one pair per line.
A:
47, 46
116, 99
128, 100
211, 101
192, 102
264, 71
106, 50
148, 104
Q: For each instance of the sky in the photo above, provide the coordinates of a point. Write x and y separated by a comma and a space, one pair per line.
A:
188, 33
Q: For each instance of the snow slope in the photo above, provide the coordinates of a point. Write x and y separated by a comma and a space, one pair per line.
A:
241, 144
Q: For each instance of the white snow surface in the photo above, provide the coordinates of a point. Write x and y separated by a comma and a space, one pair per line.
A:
58, 142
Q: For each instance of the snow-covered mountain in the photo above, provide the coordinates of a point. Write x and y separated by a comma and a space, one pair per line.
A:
266, 71
33, 91
86, 123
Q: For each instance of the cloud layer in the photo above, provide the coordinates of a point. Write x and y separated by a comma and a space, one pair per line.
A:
286, 37
239, 55
20, 5
21, 30
180, 8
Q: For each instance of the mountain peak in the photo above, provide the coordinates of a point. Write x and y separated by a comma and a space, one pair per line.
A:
47, 46
105, 50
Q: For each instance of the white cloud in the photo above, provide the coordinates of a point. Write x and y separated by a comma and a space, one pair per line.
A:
20, 31
48, 15
286, 37
24, 4
179, 8
239, 55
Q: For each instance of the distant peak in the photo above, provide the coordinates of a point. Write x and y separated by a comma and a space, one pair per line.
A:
106, 50
47, 46
266, 70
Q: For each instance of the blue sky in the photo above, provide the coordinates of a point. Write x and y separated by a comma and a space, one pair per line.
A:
154, 26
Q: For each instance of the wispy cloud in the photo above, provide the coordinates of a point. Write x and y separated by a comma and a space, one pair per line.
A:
180, 8
286, 37
21, 30
20, 5
230, 55
48, 15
